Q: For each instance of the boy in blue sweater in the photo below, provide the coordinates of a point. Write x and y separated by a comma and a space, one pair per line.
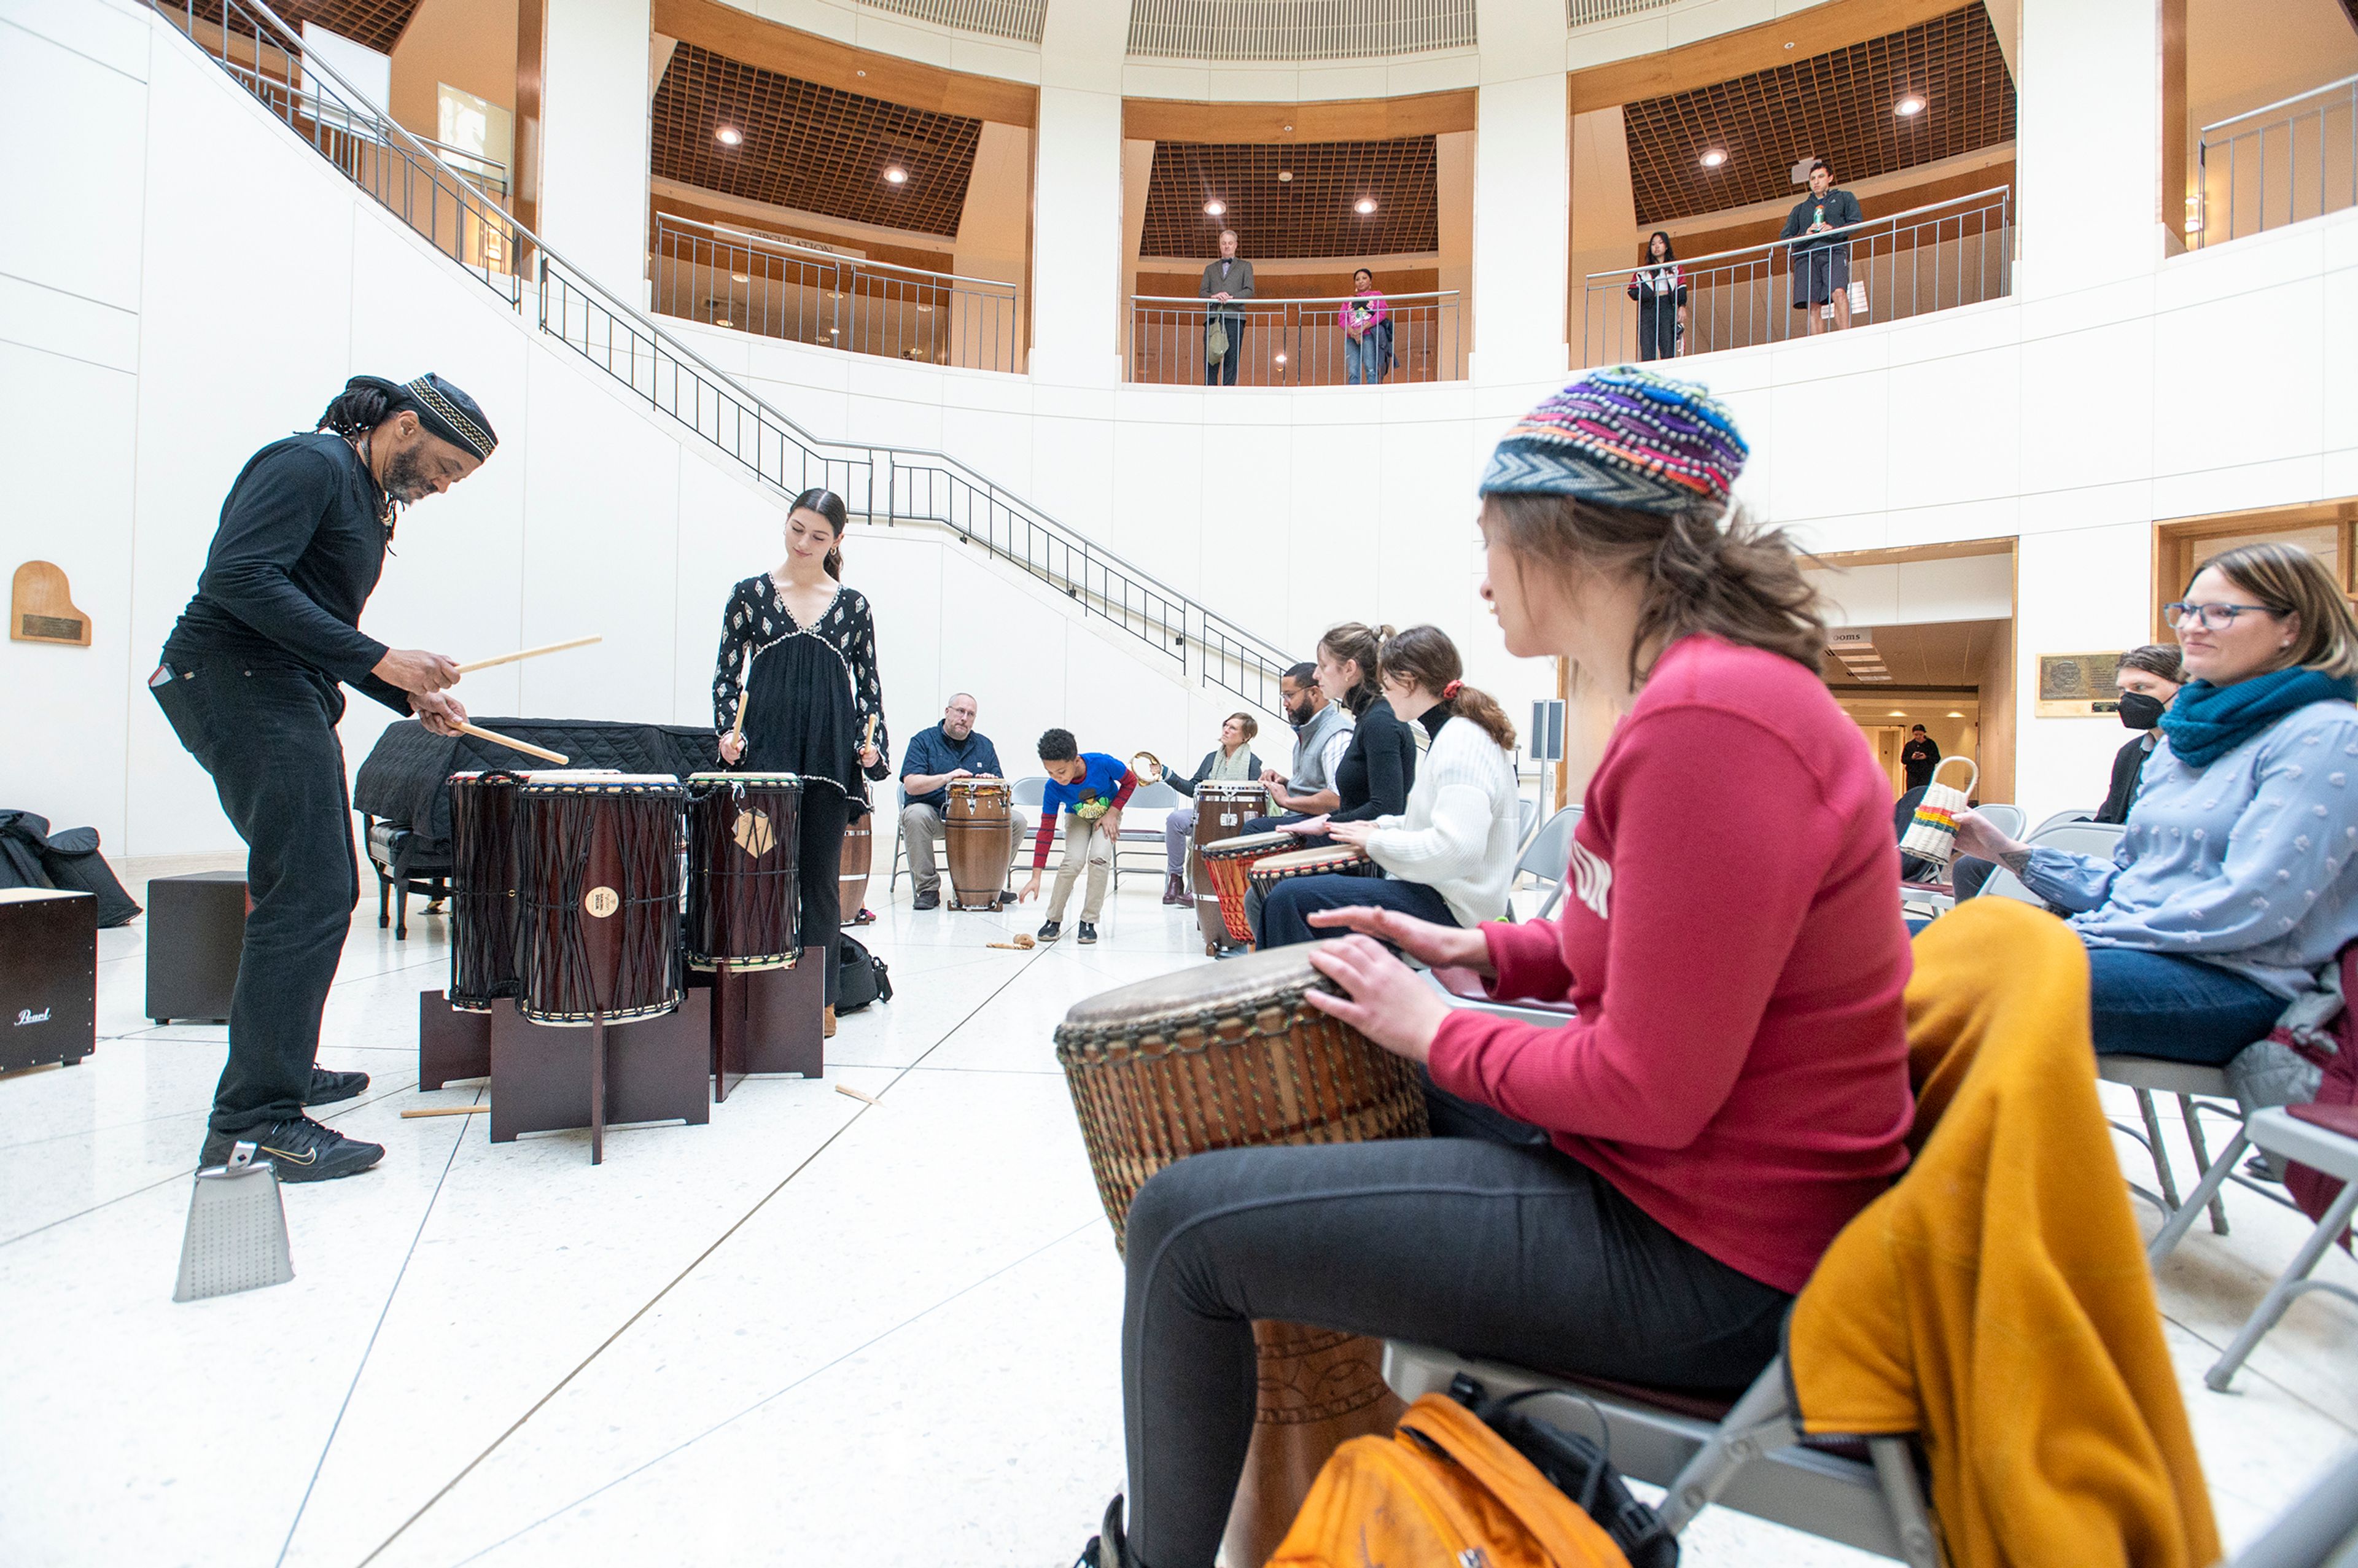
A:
1090, 788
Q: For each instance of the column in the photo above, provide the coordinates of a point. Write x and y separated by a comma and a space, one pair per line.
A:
1603, 239
2089, 130
593, 139
1452, 156
994, 235
1076, 270
1521, 193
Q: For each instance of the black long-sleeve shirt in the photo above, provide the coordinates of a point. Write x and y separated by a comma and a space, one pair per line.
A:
298, 553
1373, 778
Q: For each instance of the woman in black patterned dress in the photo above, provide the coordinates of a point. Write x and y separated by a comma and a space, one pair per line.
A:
798, 651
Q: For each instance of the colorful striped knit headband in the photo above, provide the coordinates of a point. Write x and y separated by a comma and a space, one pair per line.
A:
1622, 436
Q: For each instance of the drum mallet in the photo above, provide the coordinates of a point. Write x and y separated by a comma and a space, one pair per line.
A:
527, 654
526, 747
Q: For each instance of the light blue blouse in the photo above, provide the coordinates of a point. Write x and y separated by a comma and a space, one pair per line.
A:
2251, 863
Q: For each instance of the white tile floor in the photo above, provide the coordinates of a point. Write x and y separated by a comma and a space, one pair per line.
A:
817, 1330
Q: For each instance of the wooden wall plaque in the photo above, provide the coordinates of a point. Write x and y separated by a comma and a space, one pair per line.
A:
41, 608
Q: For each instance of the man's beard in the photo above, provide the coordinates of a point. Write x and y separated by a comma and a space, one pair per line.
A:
404, 477
1297, 712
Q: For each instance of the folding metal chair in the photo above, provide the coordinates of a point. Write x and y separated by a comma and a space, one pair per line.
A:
1546, 857
2320, 1528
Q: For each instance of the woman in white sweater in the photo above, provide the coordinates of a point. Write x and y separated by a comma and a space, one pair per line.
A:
1449, 857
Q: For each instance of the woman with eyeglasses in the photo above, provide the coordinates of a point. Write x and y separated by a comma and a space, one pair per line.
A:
2236, 879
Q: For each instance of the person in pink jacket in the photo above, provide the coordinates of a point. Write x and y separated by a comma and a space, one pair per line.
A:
1366, 323
1639, 1193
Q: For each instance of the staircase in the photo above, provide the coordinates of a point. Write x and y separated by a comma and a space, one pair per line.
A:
885, 485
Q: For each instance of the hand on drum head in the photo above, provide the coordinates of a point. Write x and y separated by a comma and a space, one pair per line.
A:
1357, 835
1387, 1003
441, 714
1308, 828
732, 746
1442, 947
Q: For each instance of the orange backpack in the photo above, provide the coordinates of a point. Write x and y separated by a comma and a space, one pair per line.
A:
1444, 1490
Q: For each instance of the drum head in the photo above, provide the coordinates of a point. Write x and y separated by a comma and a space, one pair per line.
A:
774, 781
1320, 855
1250, 844
1236, 988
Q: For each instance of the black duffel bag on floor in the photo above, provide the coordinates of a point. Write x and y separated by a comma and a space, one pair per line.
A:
864, 978
32, 856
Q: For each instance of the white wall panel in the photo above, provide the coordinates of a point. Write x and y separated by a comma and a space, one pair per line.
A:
83, 173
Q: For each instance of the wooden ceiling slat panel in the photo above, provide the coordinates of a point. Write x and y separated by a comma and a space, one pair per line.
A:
1311, 215
1835, 106
758, 41
378, 24
809, 146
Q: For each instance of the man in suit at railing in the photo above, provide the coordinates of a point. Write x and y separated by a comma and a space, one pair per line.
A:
1226, 280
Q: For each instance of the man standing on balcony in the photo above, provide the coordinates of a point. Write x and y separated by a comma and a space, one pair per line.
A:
1818, 225
250, 682
1226, 282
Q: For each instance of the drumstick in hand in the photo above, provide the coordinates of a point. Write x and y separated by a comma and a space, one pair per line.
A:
527, 654
526, 747
744, 695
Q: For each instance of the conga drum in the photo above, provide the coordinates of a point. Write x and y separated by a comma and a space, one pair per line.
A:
1230, 1056
1222, 808
1318, 860
483, 909
851, 870
979, 828
1225, 863
599, 886
744, 902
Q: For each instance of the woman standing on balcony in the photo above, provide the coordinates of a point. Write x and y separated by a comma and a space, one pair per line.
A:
1660, 291
796, 693
1366, 331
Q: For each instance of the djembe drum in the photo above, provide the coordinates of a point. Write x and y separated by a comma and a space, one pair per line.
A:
1222, 808
851, 870
1318, 860
483, 910
1225, 865
744, 834
1230, 1056
979, 828
598, 883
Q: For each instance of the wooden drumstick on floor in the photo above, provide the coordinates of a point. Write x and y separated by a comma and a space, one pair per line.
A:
446, 1111
527, 654
526, 747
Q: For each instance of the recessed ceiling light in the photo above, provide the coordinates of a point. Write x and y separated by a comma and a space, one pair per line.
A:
835, 331
1284, 175
862, 74
740, 277
1897, 713
925, 309
1908, 107
1712, 157
1954, 714
729, 136
896, 175
1280, 356
1288, 128
720, 320
1215, 209
1365, 207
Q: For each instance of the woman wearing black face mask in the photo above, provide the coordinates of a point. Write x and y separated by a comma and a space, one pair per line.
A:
2149, 677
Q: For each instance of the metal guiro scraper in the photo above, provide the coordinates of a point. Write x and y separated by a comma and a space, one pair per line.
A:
237, 1230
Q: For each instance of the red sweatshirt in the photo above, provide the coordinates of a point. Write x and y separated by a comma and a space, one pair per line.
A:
1731, 935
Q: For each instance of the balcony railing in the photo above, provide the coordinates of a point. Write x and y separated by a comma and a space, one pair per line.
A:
2279, 164
884, 485
1293, 342
1928, 258
730, 278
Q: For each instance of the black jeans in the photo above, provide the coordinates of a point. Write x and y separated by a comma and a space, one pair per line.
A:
1283, 918
266, 733
1222, 372
1478, 1239
819, 863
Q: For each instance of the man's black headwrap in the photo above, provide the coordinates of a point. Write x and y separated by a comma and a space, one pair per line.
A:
441, 407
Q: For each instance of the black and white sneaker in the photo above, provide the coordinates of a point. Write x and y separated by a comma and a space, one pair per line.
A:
301, 1148
330, 1089
1108, 1548
1087, 934
1050, 930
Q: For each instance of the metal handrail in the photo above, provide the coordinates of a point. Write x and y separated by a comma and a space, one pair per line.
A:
2280, 104
1288, 341
1281, 299
756, 240
674, 380
1860, 227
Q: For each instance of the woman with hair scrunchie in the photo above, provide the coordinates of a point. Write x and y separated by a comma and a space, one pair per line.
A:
2236, 882
798, 666
1638, 1194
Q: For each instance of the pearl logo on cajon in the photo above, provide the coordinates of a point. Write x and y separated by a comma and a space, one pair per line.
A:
26, 1015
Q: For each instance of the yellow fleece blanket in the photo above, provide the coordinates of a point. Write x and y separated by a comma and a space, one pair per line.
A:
1997, 1299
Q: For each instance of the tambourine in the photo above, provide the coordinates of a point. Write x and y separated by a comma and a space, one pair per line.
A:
1147, 767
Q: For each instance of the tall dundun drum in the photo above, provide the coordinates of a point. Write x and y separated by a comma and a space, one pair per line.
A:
599, 879
979, 831
1222, 808
744, 837
483, 910
1230, 1056
851, 870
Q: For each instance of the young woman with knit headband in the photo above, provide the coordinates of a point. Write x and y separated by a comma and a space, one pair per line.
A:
1449, 855
1638, 1194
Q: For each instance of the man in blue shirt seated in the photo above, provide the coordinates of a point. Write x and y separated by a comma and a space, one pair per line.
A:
1090, 788
931, 759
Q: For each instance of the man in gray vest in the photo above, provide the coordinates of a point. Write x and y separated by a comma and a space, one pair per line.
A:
1322, 733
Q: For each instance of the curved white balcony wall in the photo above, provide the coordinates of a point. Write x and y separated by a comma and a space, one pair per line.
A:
988, 37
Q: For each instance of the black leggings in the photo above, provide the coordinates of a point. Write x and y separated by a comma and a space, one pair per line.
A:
1483, 1239
824, 814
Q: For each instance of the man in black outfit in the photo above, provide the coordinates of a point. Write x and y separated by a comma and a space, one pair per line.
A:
1820, 260
1920, 757
249, 682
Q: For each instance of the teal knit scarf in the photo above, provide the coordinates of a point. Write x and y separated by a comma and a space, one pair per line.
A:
2207, 721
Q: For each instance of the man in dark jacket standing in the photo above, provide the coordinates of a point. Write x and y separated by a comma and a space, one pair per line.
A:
1820, 222
1226, 282
1920, 757
249, 681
